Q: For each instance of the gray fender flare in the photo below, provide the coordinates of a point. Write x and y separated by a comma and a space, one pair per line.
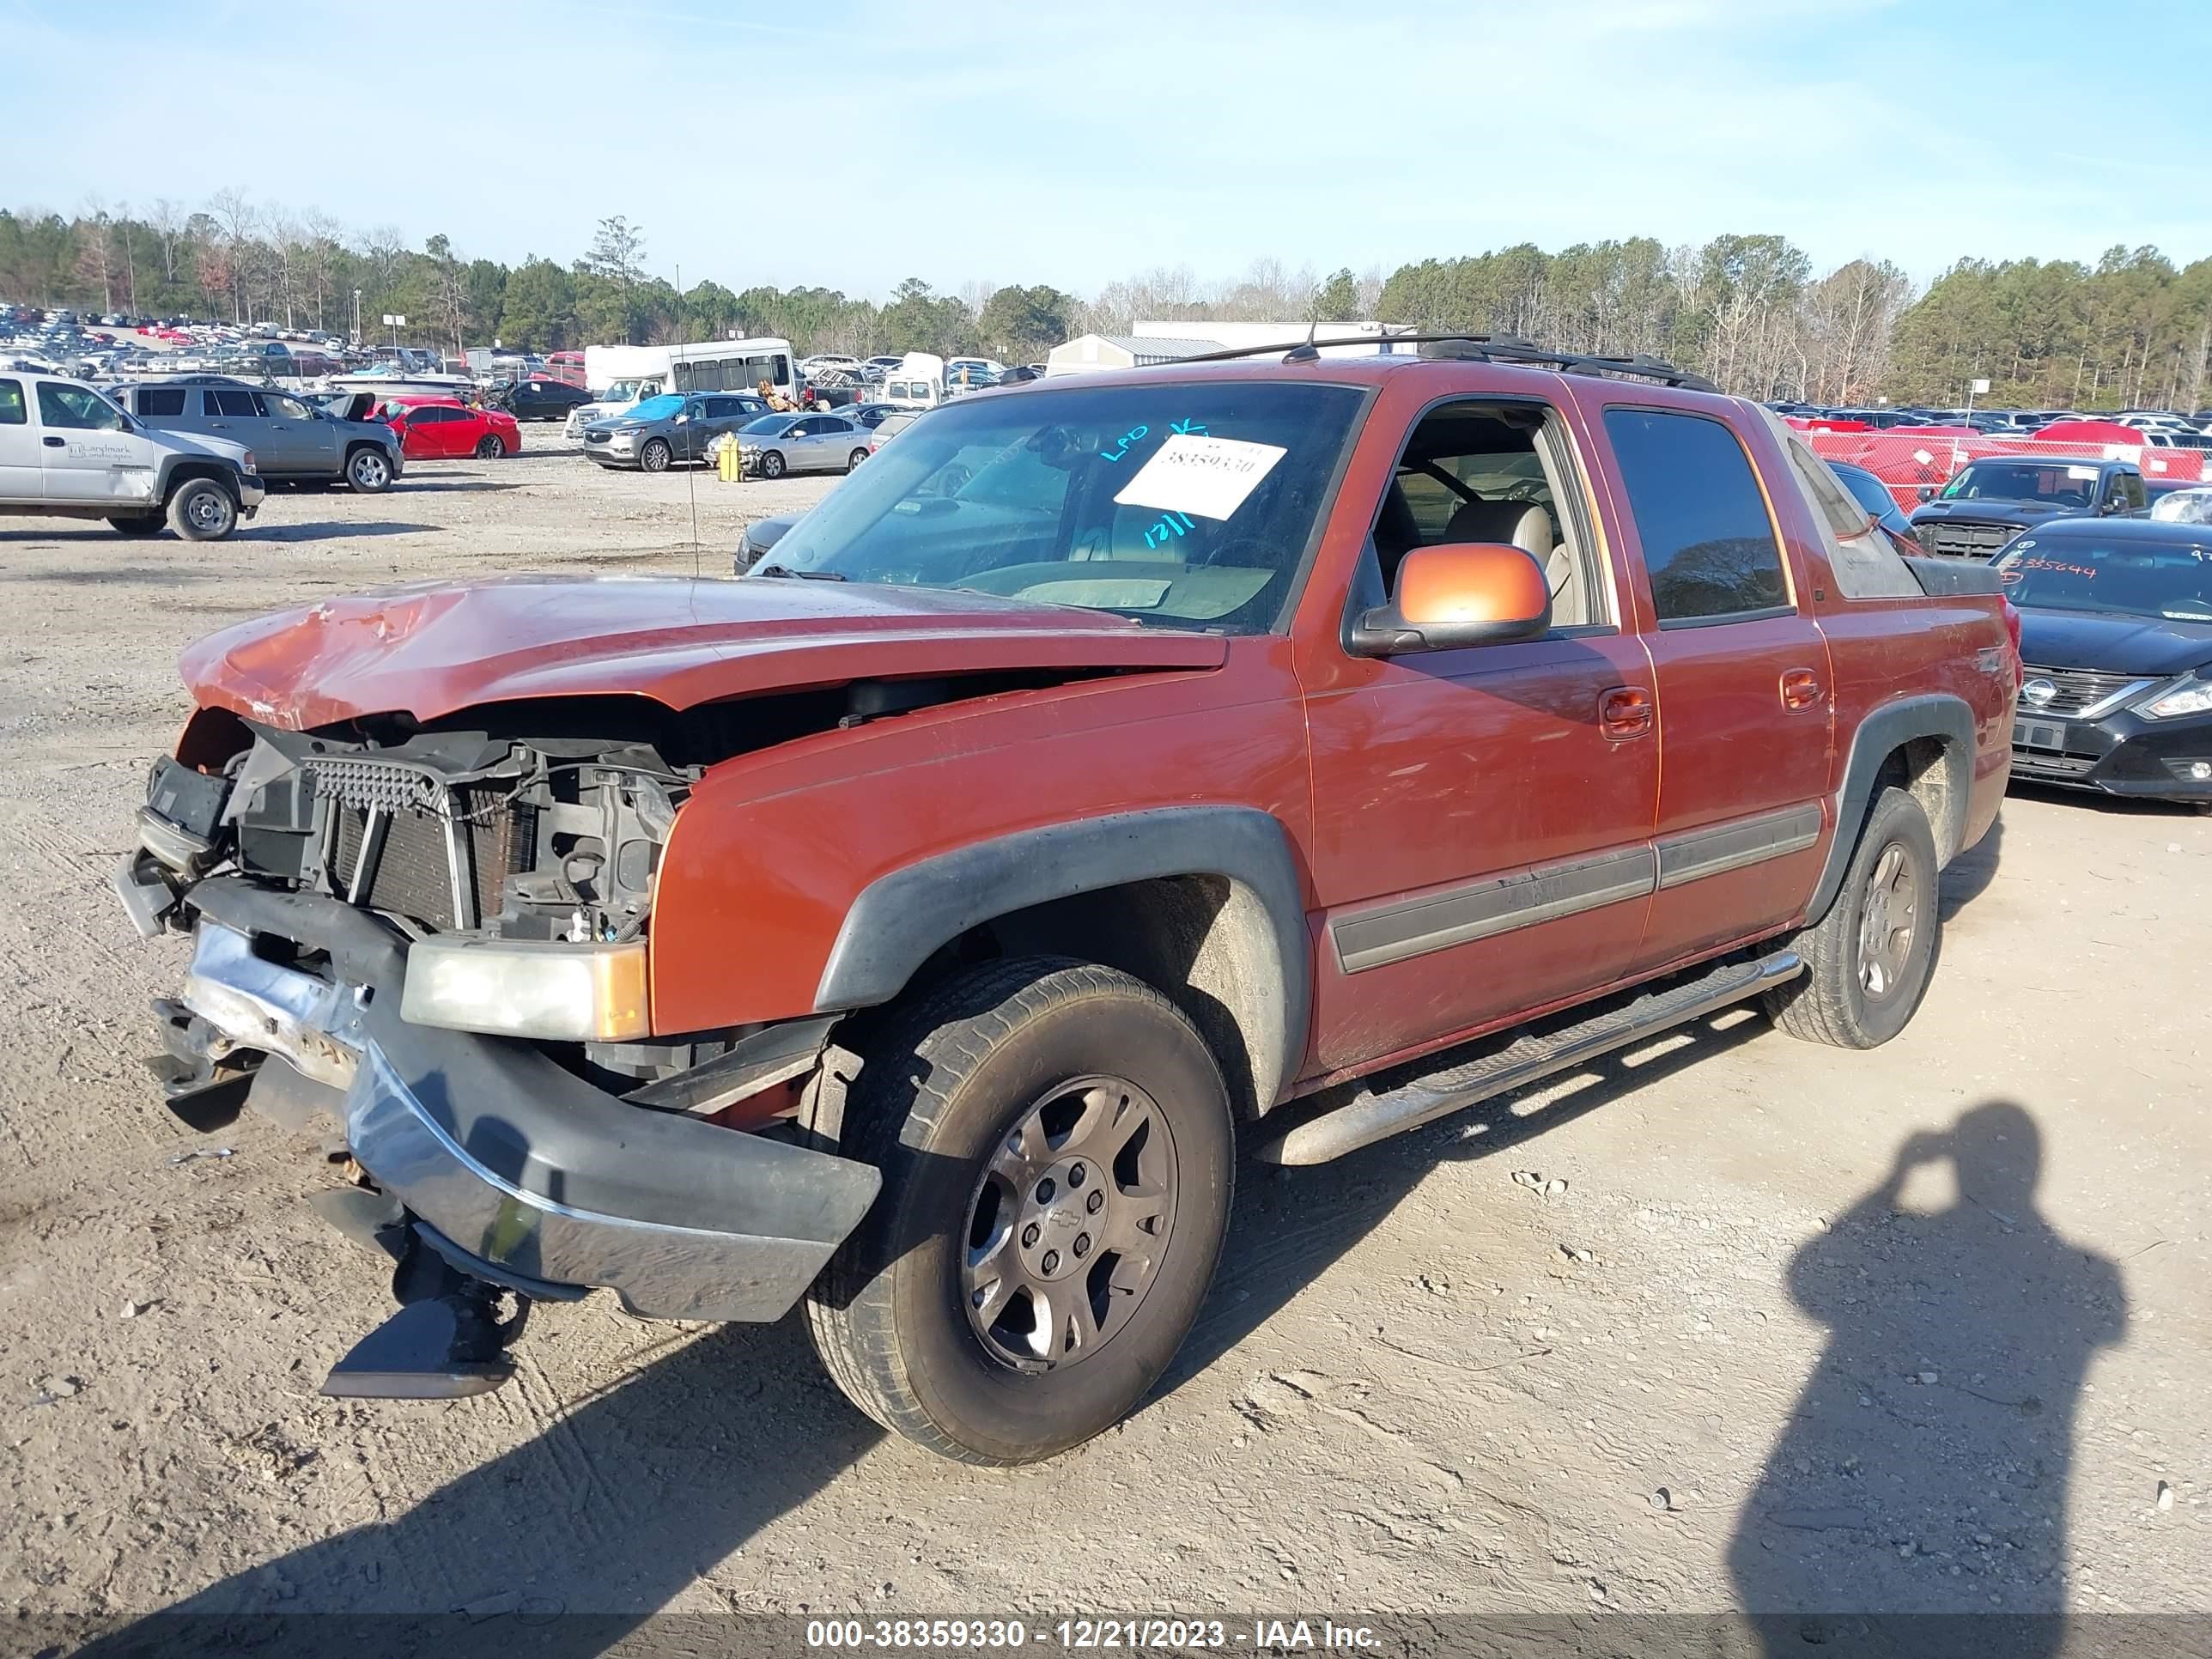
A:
899, 919
1884, 730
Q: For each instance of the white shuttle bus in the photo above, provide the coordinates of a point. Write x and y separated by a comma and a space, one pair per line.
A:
622, 376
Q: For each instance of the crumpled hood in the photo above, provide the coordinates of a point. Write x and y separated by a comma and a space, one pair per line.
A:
432, 648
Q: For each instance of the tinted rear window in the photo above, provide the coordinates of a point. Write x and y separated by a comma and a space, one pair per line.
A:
1708, 541
161, 400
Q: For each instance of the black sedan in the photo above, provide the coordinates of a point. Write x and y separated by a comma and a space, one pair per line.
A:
539, 399
2115, 641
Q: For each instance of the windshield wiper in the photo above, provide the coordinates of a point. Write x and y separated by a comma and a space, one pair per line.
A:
804, 575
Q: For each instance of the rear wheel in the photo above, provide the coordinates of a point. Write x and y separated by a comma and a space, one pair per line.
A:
1057, 1153
655, 457
853, 460
202, 510
772, 464
369, 472
1867, 960
489, 448
149, 525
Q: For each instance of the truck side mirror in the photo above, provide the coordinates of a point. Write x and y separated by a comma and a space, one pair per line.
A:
1461, 594
1927, 492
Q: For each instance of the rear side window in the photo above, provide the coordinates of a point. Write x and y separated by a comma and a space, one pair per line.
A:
156, 400
12, 410
1867, 566
1708, 541
235, 405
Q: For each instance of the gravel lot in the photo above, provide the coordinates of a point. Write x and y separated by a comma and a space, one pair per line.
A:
1907, 1330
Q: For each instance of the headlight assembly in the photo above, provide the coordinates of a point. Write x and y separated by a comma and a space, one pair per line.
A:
2185, 697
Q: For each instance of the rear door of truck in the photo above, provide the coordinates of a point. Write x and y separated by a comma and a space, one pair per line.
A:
1743, 683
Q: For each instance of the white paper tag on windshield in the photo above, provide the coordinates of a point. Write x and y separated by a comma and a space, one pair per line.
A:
2083, 473
1207, 476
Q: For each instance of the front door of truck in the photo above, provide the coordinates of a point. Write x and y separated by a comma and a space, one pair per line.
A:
88, 451
1482, 817
1744, 710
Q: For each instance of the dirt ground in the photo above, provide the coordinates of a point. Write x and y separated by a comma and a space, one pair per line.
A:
1907, 1330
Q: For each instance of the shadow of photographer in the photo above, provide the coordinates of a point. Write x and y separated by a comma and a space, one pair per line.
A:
1924, 1468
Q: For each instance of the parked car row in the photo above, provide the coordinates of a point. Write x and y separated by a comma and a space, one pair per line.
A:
2159, 429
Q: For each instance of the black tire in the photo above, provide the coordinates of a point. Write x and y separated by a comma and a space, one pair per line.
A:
489, 448
1851, 996
202, 510
368, 471
771, 464
151, 524
655, 456
853, 461
945, 1087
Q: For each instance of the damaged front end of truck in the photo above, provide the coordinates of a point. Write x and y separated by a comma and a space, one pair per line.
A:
439, 937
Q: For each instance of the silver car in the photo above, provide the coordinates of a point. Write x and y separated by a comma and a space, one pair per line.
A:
777, 444
673, 427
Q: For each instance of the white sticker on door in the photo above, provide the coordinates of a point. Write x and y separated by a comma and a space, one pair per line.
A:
1207, 476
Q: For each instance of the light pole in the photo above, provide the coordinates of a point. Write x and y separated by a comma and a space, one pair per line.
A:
1972, 386
357, 317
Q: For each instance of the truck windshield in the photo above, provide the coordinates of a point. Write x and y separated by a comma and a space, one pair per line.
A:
2053, 483
2171, 580
1190, 503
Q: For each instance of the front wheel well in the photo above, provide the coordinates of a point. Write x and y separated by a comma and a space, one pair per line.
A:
1206, 942
184, 472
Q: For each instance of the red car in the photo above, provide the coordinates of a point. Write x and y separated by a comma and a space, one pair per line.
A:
444, 428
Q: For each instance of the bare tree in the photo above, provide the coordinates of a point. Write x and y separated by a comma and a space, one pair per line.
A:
236, 219
976, 294
96, 260
123, 224
168, 221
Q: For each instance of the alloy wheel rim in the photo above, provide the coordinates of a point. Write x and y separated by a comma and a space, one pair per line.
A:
369, 470
1069, 1222
1889, 921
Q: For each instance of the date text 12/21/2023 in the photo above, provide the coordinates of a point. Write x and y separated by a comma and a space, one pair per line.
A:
1259, 1635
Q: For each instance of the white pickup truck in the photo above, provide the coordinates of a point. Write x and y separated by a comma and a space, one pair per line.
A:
67, 452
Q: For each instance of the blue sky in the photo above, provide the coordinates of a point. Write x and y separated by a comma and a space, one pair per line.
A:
853, 143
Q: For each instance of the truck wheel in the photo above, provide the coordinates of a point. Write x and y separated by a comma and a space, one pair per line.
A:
1867, 961
151, 524
202, 510
653, 457
367, 472
1057, 1153
772, 464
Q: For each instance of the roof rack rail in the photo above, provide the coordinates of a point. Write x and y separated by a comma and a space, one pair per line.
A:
1480, 348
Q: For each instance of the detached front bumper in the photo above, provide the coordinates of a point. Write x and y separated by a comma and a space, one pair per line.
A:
542, 1182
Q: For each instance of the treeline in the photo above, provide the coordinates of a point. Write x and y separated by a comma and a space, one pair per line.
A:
2133, 329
